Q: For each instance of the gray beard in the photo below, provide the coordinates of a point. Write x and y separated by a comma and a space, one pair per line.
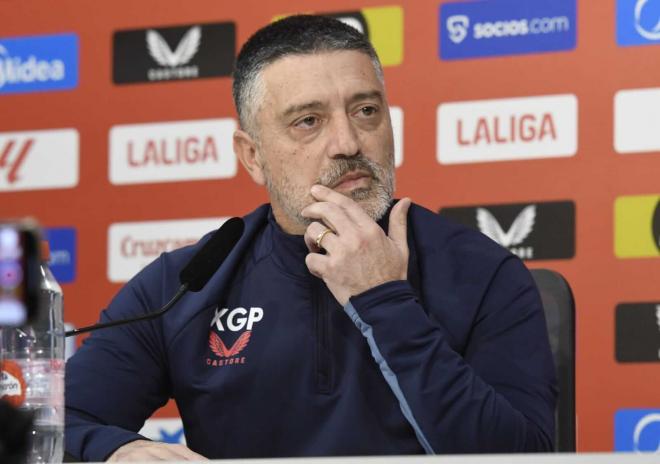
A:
374, 200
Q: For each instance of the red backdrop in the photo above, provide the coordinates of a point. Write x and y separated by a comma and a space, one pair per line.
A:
594, 71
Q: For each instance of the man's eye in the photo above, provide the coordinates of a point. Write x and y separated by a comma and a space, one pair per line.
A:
307, 122
368, 110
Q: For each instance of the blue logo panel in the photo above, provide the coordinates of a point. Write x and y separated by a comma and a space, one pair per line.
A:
637, 22
505, 27
63, 244
637, 430
39, 63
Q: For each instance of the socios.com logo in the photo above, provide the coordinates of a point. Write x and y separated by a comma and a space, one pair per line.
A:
40, 63
458, 28
505, 27
637, 430
637, 22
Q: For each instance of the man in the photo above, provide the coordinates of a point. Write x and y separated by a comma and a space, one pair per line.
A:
340, 324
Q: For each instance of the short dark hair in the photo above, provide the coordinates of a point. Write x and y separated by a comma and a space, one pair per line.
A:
293, 35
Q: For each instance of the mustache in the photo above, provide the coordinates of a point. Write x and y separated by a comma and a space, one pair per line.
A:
342, 166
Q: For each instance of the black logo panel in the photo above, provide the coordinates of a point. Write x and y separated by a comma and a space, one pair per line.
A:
174, 53
533, 231
637, 332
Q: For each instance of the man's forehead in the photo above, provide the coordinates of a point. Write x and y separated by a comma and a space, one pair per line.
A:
306, 78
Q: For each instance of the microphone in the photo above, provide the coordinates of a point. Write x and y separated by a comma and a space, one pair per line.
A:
193, 277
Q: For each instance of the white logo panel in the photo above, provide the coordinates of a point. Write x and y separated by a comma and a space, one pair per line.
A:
507, 129
396, 115
172, 151
164, 430
133, 245
35, 160
636, 116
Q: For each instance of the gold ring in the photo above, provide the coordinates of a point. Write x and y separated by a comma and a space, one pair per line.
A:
320, 236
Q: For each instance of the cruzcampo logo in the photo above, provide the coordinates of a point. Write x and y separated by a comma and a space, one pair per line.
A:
382, 25
637, 226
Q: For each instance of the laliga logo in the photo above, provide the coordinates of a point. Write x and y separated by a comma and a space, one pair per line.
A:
21, 150
639, 429
457, 26
653, 34
13, 70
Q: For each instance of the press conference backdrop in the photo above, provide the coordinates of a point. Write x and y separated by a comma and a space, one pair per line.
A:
535, 122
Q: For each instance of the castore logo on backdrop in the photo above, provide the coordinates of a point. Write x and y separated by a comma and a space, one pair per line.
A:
161, 53
179, 53
530, 231
39, 63
520, 229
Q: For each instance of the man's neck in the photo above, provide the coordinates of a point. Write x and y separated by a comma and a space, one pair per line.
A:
288, 225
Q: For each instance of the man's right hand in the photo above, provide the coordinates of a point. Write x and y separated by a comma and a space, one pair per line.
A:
145, 450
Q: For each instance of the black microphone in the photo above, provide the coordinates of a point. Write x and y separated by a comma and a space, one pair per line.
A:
193, 276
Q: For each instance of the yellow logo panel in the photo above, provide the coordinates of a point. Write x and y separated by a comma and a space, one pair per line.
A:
383, 26
637, 226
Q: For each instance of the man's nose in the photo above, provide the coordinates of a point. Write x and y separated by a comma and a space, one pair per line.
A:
344, 138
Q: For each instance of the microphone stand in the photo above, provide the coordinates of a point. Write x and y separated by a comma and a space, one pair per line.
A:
177, 296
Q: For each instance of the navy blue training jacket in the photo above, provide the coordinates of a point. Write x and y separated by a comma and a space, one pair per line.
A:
264, 362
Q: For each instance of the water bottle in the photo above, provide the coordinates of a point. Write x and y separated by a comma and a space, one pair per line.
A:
32, 375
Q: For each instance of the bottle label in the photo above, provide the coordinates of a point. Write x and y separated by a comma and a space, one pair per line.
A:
12, 384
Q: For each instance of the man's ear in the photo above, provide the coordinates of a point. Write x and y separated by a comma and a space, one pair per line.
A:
247, 151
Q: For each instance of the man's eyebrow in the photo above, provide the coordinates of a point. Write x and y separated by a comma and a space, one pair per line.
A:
312, 105
317, 104
374, 94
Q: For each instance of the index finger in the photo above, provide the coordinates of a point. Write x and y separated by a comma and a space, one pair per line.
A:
352, 208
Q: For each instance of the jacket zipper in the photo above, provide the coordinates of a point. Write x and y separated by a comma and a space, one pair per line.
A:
323, 355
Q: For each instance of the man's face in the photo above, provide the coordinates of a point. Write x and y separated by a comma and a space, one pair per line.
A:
324, 119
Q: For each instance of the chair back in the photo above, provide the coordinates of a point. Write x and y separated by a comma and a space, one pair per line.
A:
559, 308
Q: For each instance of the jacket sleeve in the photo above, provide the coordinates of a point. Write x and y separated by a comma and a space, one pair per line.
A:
118, 377
497, 396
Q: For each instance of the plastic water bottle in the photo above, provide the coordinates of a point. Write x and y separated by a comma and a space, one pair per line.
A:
32, 375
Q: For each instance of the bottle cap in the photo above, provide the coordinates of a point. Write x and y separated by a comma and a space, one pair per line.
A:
45, 251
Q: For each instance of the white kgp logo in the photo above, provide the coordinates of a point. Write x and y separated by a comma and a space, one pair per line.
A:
457, 27
237, 319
